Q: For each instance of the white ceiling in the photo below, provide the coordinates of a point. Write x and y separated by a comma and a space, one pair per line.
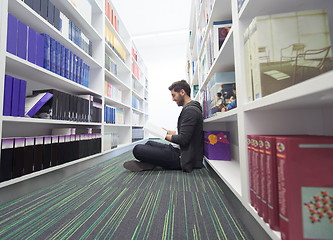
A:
160, 31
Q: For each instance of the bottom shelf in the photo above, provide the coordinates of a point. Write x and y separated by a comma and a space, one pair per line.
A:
229, 172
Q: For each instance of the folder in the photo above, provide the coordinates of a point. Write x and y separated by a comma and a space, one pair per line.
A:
61, 150
38, 153
40, 50
18, 158
22, 92
54, 150
50, 13
34, 103
53, 54
12, 34
22, 38
7, 154
57, 59
29, 154
32, 45
56, 22
7, 99
43, 8
47, 51
67, 149
15, 97
47, 152
67, 62
36, 6
62, 61
28, 2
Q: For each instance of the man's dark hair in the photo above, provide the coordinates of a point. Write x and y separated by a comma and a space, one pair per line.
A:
182, 84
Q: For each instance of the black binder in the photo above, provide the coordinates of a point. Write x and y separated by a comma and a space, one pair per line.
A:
6, 161
38, 153
47, 152
29, 155
18, 159
54, 150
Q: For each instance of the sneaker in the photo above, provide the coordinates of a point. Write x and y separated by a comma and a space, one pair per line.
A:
136, 166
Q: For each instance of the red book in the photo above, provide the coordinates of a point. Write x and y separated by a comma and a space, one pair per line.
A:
263, 179
305, 181
255, 167
250, 164
272, 183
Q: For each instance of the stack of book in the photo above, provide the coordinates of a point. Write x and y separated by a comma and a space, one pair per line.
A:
110, 65
112, 91
115, 44
114, 115
111, 15
291, 184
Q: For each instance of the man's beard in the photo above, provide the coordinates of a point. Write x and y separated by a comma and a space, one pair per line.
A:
181, 100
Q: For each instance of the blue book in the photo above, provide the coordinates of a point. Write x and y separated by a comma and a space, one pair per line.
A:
80, 69
32, 45
67, 62
15, 97
47, 51
11, 34
7, 99
22, 37
62, 61
52, 55
75, 68
71, 64
58, 55
39, 50
22, 93
87, 76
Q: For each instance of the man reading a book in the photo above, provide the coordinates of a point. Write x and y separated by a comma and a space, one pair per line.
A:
185, 151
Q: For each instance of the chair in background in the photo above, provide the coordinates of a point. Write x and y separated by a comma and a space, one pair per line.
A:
263, 54
314, 59
290, 53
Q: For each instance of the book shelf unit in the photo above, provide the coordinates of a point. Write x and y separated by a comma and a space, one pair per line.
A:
40, 78
304, 108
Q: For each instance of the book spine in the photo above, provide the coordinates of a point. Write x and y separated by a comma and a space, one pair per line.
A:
67, 62
47, 51
282, 166
255, 156
7, 101
62, 61
12, 34
263, 178
58, 57
52, 55
29, 155
250, 165
15, 97
22, 93
7, 154
272, 183
43, 8
22, 39
50, 13
39, 50
18, 158
47, 152
38, 153
32, 45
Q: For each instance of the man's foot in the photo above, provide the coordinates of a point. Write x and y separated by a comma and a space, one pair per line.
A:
136, 166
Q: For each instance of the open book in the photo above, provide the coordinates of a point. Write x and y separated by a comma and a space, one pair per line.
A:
155, 130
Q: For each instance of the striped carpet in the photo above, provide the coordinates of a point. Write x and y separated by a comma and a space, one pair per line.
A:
109, 202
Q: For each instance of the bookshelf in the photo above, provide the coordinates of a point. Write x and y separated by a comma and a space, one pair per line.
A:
304, 108
38, 77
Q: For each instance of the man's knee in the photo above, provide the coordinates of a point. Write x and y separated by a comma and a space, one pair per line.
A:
137, 150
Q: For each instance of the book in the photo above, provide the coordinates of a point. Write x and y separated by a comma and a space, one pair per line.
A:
47, 51
32, 45
47, 155
12, 34
53, 60
220, 33
21, 99
18, 157
58, 57
22, 38
35, 102
251, 171
7, 99
36, 6
43, 8
38, 153
272, 183
7, 154
272, 68
54, 150
15, 97
217, 145
155, 130
50, 13
263, 211
40, 50
305, 193
29, 155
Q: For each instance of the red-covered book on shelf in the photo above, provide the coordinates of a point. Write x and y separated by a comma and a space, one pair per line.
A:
255, 168
251, 172
305, 181
272, 183
263, 211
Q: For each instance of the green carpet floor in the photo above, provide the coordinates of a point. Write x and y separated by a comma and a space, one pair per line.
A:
109, 202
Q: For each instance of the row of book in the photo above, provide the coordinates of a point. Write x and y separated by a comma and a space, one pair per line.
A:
64, 62
112, 91
136, 103
44, 51
277, 57
137, 134
20, 156
111, 15
114, 115
110, 140
291, 184
14, 97
216, 36
60, 21
65, 106
115, 44
136, 70
218, 93
111, 65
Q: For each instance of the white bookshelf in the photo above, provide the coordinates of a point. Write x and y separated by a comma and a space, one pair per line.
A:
305, 108
40, 78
